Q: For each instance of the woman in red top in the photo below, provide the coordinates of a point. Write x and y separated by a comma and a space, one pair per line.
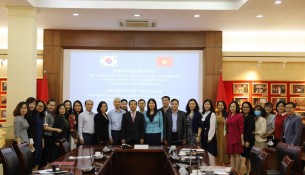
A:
279, 122
235, 135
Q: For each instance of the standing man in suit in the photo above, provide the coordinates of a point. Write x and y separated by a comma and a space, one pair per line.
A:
133, 130
141, 105
166, 111
292, 125
176, 125
115, 122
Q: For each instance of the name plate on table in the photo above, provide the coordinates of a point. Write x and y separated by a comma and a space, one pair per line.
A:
140, 146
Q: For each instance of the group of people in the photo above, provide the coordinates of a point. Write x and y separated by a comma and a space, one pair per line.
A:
41, 125
225, 133
247, 126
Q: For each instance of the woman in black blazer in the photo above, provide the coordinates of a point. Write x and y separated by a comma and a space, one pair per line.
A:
62, 123
101, 124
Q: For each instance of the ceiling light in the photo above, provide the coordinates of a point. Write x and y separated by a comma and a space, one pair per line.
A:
136, 15
259, 16
277, 2
75, 14
196, 16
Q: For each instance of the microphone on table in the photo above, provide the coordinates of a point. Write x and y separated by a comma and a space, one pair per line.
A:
191, 153
75, 162
90, 169
126, 146
198, 160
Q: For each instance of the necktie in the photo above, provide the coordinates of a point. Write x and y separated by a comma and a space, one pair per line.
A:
132, 116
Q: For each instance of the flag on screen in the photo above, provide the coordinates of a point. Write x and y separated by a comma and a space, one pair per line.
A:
109, 61
221, 93
164, 61
44, 96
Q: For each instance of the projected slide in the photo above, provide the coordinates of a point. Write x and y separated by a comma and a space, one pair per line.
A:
103, 75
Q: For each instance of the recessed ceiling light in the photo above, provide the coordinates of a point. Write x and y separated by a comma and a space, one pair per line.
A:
259, 16
136, 15
277, 2
75, 14
196, 16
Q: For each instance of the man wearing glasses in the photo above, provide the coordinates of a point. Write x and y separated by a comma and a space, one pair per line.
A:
292, 125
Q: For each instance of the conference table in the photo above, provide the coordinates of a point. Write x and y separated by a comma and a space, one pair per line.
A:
155, 160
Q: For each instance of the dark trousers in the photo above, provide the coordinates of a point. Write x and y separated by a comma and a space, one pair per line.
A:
89, 139
116, 137
46, 151
174, 140
133, 141
153, 139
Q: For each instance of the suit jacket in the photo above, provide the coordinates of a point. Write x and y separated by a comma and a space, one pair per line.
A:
101, 128
165, 114
62, 123
130, 128
293, 129
181, 126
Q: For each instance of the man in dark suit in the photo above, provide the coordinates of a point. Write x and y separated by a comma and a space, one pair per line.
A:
166, 111
175, 125
133, 130
292, 125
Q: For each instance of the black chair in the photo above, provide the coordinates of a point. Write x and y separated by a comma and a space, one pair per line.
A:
25, 158
286, 166
64, 146
255, 161
295, 153
9, 160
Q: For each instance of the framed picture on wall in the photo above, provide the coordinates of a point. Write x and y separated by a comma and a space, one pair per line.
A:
299, 101
240, 88
3, 99
297, 88
3, 114
278, 89
3, 86
259, 88
240, 100
274, 100
259, 101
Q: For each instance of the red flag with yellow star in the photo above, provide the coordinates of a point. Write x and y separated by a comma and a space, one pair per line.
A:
164, 61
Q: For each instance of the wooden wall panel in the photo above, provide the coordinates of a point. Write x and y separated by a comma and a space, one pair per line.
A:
96, 39
51, 60
214, 39
213, 60
51, 37
210, 87
54, 87
56, 40
174, 40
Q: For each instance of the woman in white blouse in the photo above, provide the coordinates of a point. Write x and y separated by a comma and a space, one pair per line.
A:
208, 125
260, 127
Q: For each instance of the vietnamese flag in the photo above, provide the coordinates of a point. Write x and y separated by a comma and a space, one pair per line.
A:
164, 61
44, 96
221, 93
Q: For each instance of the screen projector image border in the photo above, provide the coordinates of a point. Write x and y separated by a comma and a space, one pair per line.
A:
102, 75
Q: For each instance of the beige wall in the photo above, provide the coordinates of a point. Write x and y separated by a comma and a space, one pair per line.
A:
4, 62
264, 66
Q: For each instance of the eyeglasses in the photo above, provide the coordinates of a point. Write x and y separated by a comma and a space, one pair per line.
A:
246, 107
40, 106
289, 107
